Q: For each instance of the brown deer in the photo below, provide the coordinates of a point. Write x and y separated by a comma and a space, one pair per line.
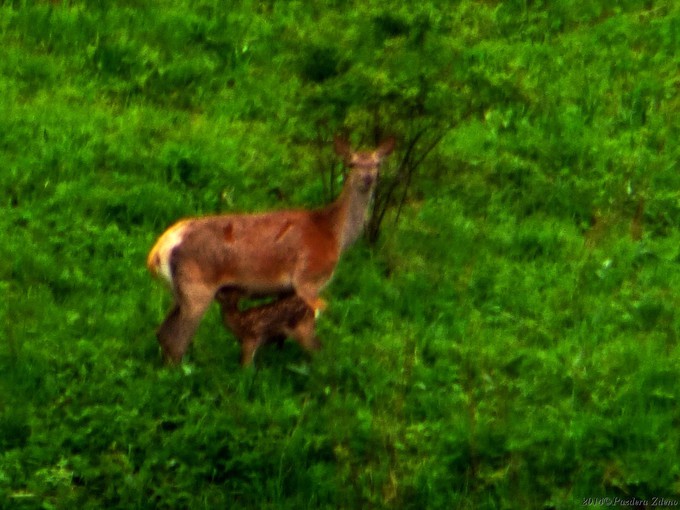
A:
261, 253
288, 316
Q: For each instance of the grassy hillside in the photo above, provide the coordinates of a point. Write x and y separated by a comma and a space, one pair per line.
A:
507, 339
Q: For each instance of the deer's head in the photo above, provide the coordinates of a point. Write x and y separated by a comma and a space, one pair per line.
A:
364, 165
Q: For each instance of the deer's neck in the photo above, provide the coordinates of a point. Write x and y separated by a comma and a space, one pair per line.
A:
349, 215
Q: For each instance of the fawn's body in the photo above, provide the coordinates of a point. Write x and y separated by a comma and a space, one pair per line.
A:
263, 253
287, 317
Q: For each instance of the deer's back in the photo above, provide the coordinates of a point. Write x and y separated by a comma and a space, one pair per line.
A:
260, 252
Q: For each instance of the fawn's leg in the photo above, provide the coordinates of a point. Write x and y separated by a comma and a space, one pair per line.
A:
224, 312
249, 347
304, 333
233, 320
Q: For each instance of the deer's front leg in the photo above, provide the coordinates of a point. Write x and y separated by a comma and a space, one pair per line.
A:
309, 293
318, 257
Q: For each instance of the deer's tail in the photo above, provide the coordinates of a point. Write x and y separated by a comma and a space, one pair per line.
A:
158, 260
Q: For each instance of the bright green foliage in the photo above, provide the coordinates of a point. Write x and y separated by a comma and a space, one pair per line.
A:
510, 340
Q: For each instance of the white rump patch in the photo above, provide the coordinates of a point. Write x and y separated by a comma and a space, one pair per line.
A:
168, 241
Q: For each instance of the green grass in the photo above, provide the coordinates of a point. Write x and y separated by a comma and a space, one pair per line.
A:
510, 342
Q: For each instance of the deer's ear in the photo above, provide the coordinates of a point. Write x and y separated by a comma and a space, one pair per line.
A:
386, 147
341, 145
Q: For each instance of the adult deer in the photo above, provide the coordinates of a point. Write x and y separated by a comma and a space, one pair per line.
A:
261, 253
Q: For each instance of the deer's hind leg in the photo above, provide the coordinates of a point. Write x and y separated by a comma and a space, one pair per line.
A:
177, 330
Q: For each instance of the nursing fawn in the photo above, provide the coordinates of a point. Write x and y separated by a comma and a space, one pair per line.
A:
261, 253
287, 317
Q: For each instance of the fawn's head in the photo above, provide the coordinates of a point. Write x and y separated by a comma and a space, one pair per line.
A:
364, 165
228, 297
